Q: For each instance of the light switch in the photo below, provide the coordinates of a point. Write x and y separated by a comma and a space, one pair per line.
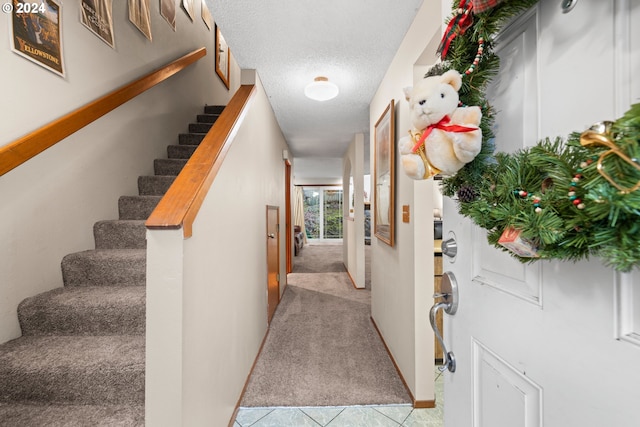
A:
406, 216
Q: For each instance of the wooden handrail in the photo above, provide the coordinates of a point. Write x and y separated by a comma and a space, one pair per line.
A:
180, 204
28, 146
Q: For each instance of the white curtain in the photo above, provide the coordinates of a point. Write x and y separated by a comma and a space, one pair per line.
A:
298, 210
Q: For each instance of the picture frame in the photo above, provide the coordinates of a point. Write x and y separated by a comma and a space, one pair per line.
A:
140, 16
222, 58
97, 16
189, 8
168, 12
384, 176
47, 53
206, 14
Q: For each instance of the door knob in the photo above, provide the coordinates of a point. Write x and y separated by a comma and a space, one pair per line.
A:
449, 247
271, 236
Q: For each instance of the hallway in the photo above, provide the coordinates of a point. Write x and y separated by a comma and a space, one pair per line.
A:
343, 379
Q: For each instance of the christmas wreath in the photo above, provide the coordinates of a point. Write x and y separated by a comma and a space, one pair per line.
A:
564, 199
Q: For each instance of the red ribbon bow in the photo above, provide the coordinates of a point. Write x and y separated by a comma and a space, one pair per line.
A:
457, 25
442, 125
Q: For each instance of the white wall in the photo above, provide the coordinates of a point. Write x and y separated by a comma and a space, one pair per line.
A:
317, 171
51, 202
402, 276
214, 285
353, 242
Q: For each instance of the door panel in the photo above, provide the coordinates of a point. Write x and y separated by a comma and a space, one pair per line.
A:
273, 260
551, 344
501, 271
514, 91
627, 307
502, 395
514, 94
627, 46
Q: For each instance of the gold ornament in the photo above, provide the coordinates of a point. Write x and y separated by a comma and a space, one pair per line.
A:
600, 134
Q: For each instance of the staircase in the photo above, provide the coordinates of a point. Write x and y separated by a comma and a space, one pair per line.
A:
80, 360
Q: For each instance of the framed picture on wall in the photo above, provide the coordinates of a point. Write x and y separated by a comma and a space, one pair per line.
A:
140, 16
222, 58
168, 12
206, 15
187, 6
384, 183
36, 33
97, 16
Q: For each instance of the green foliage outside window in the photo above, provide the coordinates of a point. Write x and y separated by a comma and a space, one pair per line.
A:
330, 216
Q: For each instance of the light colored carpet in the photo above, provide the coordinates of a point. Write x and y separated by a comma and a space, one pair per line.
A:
322, 348
319, 258
81, 358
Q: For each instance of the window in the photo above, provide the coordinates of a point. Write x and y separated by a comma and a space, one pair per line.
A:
323, 212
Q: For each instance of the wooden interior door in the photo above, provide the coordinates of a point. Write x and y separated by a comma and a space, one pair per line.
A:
273, 260
288, 212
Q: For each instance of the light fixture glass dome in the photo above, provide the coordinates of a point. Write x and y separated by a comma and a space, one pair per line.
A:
321, 89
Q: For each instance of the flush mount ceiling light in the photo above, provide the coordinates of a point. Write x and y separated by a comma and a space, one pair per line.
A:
321, 89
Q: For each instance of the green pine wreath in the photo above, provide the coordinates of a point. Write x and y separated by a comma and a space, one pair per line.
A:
565, 200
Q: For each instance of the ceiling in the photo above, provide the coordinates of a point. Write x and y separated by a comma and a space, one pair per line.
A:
290, 42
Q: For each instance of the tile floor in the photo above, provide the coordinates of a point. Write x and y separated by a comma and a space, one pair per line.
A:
346, 416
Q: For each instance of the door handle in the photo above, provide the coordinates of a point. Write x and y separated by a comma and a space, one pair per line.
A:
271, 235
449, 305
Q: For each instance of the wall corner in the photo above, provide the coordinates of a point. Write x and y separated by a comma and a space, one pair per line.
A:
248, 77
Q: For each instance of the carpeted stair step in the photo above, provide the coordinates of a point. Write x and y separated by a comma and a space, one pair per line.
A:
154, 185
168, 166
120, 234
32, 415
81, 359
190, 138
105, 267
180, 151
73, 370
207, 118
213, 109
85, 310
137, 207
199, 127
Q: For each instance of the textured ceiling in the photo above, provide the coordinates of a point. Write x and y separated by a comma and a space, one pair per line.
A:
290, 42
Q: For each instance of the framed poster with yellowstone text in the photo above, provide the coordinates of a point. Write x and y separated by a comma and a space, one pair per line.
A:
37, 33
384, 148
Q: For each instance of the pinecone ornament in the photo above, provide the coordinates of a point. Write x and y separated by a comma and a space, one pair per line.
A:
467, 193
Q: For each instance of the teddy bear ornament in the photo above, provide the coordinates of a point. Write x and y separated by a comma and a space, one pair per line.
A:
444, 136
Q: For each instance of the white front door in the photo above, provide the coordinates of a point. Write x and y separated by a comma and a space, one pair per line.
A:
553, 344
